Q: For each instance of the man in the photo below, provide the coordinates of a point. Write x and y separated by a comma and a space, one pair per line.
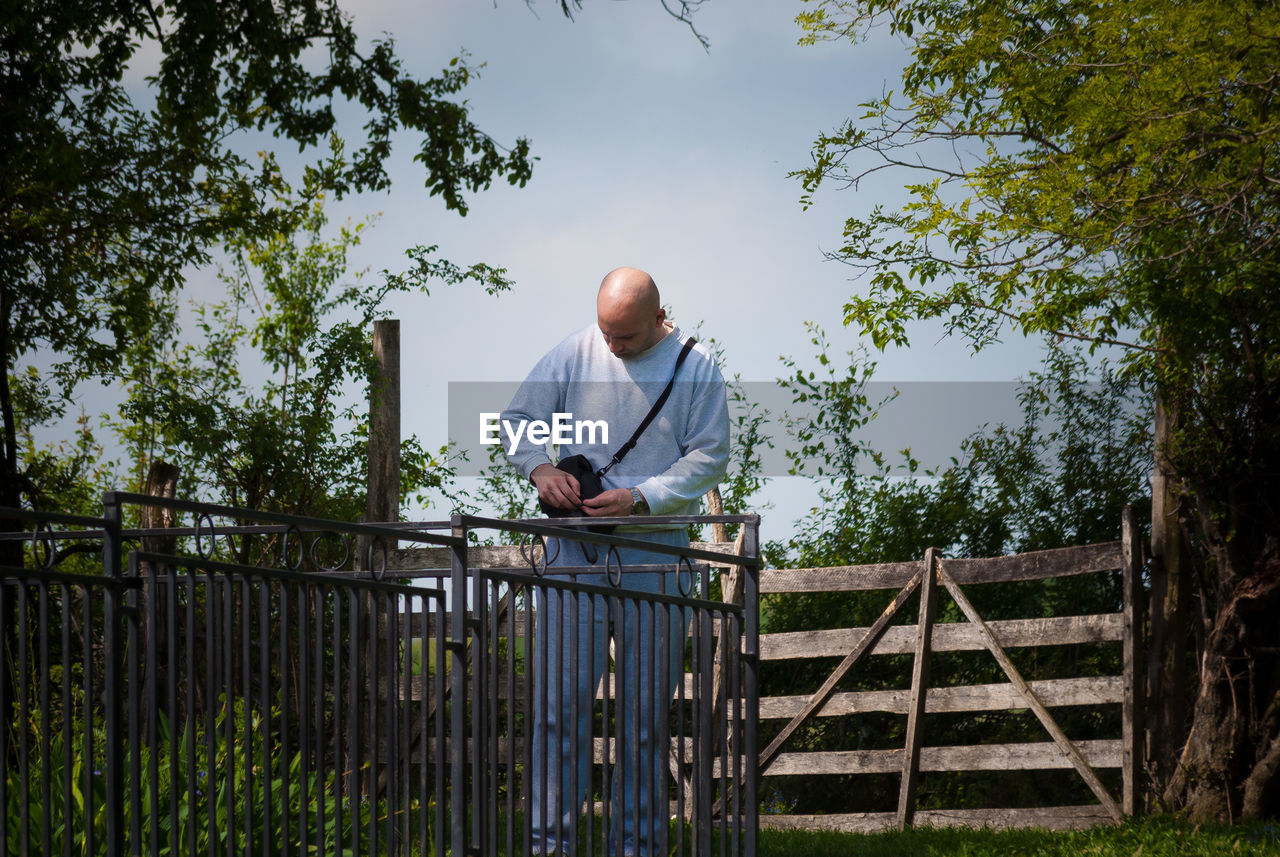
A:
610, 374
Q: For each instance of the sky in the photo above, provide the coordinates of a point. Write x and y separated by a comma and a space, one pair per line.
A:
655, 153
652, 152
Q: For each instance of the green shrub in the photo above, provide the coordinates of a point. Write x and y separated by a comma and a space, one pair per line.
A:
210, 791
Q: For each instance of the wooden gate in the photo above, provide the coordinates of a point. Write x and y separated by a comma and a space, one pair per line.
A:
927, 576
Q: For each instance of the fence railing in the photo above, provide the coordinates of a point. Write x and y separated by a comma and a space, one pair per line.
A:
179, 700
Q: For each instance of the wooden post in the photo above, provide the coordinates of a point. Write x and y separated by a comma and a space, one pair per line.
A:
382, 505
1166, 678
383, 501
731, 593
919, 690
162, 481
1132, 714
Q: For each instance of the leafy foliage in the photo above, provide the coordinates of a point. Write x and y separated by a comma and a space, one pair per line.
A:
1093, 171
1103, 172
210, 789
1084, 142
1061, 478
283, 443
113, 188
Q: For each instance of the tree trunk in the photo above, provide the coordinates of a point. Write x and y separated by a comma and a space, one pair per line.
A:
1228, 769
1170, 600
162, 481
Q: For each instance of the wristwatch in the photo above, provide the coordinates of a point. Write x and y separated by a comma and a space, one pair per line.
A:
639, 506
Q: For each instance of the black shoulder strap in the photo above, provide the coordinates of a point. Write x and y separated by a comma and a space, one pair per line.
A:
653, 412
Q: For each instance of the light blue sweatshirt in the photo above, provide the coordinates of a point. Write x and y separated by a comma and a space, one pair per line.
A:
681, 455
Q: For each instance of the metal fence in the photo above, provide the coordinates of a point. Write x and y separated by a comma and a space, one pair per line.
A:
259, 684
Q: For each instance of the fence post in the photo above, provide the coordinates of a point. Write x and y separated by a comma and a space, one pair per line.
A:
478, 702
919, 689
383, 500
458, 687
111, 616
162, 481
382, 505
1133, 713
1171, 574
750, 576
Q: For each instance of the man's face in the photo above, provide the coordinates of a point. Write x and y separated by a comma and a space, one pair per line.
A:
629, 331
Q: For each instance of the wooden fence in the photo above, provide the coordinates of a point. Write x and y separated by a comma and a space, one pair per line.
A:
927, 577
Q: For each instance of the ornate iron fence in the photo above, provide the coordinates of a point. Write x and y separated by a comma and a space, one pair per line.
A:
258, 683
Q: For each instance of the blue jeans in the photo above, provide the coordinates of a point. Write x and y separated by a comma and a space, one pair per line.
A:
570, 658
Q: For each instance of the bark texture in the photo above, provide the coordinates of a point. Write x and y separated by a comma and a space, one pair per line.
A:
1229, 765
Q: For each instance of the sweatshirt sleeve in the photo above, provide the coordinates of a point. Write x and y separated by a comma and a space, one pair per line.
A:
704, 445
538, 398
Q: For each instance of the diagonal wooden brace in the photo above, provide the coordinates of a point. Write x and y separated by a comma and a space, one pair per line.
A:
1028, 695
823, 693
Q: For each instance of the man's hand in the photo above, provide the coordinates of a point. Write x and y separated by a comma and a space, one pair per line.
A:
613, 503
556, 488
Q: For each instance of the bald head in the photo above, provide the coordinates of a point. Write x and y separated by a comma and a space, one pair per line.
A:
629, 312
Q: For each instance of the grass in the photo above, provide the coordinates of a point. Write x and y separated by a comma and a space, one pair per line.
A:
1153, 837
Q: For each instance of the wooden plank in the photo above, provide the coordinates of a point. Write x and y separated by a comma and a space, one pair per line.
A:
1102, 753
919, 686
842, 578
821, 695
1042, 714
1054, 693
1041, 756
1038, 756
1132, 720
1060, 818
848, 822
947, 637
1037, 565
1043, 817
1099, 690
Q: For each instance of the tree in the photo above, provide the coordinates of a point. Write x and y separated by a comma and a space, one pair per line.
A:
112, 189
132, 147
1103, 172
251, 411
